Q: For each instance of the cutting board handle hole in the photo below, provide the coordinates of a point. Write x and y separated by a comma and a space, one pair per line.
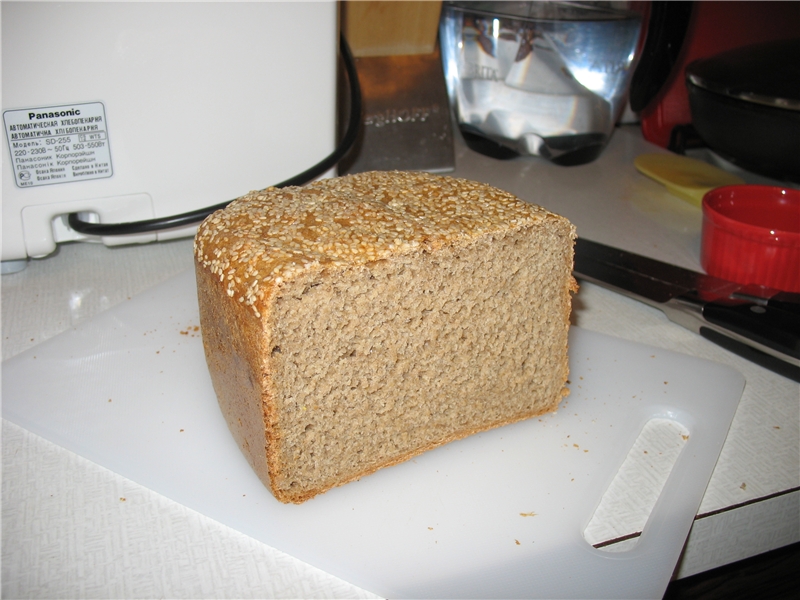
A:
625, 507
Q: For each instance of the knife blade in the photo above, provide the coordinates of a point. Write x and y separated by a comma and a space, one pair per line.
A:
760, 324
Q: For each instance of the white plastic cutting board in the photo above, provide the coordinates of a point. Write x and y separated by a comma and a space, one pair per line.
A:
130, 391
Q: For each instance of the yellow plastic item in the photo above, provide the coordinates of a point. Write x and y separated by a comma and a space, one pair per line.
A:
685, 177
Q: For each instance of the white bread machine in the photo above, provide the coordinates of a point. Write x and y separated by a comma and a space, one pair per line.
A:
124, 111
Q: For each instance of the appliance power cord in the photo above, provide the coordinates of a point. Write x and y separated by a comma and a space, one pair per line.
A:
195, 216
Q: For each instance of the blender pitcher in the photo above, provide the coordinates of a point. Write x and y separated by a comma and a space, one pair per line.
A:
546, 79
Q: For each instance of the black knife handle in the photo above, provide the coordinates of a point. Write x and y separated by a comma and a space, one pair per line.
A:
769, 326
763, 359
787, 301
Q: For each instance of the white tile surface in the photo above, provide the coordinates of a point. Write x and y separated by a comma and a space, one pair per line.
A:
72, 529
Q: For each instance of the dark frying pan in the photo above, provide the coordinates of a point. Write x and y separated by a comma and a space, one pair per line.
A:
745, 105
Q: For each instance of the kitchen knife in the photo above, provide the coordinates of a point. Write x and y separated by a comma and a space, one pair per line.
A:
760, 324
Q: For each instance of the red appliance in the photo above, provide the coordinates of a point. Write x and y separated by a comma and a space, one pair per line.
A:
712, 27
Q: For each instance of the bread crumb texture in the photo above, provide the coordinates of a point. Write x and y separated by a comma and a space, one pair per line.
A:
356, 322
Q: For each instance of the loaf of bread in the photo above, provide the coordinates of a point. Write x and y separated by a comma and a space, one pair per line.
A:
359, 321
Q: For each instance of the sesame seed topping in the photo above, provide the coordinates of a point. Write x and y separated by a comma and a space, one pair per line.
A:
268, 236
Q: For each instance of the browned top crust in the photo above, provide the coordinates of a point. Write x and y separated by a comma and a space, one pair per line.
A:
268, 236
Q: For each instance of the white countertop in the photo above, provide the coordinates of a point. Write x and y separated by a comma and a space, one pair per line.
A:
74, 529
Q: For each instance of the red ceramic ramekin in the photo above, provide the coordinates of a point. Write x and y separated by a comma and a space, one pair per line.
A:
751, 235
